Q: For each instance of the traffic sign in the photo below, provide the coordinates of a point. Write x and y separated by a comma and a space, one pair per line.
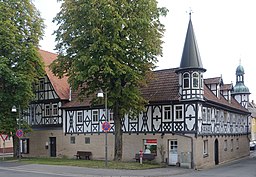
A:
4, 137
106, 126
19, 133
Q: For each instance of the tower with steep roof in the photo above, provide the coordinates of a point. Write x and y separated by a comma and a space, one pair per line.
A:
241, 92
191, 68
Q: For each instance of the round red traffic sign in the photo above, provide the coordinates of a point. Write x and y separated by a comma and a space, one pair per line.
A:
106, 126
19, 133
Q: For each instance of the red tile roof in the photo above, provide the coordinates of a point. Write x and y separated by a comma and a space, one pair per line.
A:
164, 87
209, 96
78, 101
226, 87
214, 80
61, 86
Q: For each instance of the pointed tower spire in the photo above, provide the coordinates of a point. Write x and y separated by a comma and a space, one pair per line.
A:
191, 56
191, 68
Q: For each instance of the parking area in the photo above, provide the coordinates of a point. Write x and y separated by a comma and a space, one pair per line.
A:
252, 145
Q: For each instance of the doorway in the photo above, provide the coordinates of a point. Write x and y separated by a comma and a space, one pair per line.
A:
173, 152
52, 146
216, 152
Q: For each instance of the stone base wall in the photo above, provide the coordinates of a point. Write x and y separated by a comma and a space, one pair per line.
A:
229, 148
68, 145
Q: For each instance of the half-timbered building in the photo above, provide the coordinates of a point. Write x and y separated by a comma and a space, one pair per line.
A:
44, 114
189, 120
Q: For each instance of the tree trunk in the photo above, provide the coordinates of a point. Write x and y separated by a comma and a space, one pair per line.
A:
15, 146
118, 134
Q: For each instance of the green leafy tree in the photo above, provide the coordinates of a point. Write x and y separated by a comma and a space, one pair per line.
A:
21, 28
110, 45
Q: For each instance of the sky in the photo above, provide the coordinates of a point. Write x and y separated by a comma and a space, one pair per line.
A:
225, 31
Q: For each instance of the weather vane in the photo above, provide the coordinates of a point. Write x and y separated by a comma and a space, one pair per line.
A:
189, 12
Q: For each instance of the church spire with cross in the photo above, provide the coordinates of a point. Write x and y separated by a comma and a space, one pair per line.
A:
241, 92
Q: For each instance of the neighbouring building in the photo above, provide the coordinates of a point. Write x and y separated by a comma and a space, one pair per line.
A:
252, 109
190, 120
6, 144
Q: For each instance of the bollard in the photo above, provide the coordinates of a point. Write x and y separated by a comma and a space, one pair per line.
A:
141, 155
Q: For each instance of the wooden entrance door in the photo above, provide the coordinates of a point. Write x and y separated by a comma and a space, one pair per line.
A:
173, 152
216, 152
52, 146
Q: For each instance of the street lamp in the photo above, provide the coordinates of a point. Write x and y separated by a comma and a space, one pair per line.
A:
101, 95
14, 110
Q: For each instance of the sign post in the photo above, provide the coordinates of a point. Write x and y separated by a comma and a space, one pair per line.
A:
19, 134
106, 127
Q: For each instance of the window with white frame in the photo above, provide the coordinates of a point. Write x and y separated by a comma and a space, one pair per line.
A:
79, 116
231, 118
95, 115
47, 110
217, 116
195, 79
178, 112
204, 114
111, 116
202, 81
55, 109
225, 117
221, 116
209, 113
41, 85
186, 80
167, 113
205, 148
213, 115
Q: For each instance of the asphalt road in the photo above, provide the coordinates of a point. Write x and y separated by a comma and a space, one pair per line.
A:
241, 168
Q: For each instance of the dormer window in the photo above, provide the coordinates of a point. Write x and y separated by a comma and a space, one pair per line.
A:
186, 80
195, 79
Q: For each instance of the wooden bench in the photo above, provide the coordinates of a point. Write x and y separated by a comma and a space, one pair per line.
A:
148, 157
83, 155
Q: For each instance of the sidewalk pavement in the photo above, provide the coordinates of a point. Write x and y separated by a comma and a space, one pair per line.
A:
69, 171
